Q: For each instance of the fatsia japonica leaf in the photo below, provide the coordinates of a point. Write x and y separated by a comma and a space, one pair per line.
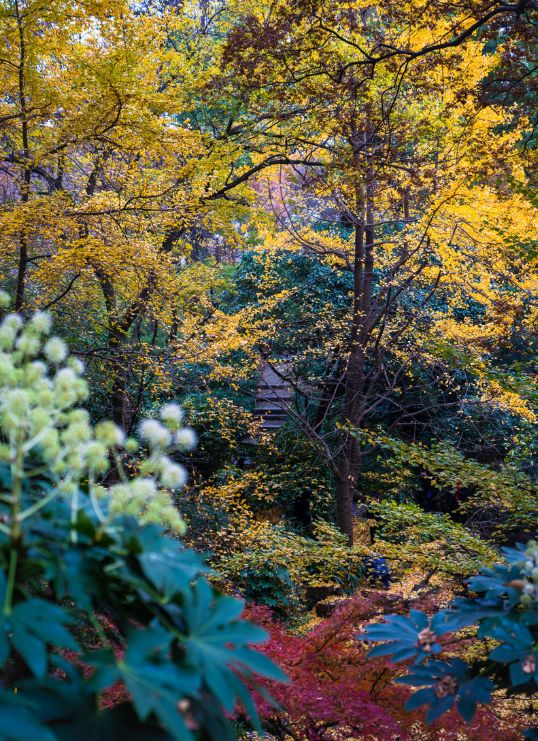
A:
68, 707
447, 684
217, 641
20, 721
118, 724
504, 610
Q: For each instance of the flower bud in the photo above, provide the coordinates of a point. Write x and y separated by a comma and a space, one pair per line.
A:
28, 344
16, 403
55, 350
185, 439
143, 488
110, 434
40, 322
173, 476
171, 415
154, 433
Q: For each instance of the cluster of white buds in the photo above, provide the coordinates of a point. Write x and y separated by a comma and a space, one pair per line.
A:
147, 496
529, 592
41, 388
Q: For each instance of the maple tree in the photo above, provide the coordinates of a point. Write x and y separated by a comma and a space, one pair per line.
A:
339, 692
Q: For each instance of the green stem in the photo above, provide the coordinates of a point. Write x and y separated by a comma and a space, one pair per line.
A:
17, 473
74, 515
99, 629
29, 511
10, 581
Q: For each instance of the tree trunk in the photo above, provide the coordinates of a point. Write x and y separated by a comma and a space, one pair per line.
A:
348, 470
27, 172
122, 408
349, 455
348, 459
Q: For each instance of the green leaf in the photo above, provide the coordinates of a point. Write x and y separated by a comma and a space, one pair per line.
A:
19, 720
260, 664
119, 724
155, 683
18, 724
34, 624
215, 645
171, 570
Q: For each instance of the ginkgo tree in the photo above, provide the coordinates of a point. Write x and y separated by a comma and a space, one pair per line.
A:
110, 165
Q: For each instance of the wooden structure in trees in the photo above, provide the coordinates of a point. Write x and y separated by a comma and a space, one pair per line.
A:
273, 397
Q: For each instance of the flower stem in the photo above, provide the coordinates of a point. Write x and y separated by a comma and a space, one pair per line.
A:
10, 581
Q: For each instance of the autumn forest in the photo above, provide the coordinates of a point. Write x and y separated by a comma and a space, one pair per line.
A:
268, 351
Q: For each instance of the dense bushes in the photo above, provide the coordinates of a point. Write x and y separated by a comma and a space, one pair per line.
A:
431, 541
278, 567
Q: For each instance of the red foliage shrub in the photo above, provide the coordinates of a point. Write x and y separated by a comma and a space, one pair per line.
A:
338, 693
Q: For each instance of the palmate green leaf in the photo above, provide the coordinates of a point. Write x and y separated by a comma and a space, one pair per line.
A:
225, 610
70, 709
218, 646
18, 724
105, 668
399, 636
211, 621
476, 690
439, 707
422, 697
77, 576
119, 724
260, 664
171, 570
154, 682
32, 625
20, 721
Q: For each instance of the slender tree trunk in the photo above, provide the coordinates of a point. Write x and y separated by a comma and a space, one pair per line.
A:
349, 456
348, 469
27, 172
122, 408
119, 396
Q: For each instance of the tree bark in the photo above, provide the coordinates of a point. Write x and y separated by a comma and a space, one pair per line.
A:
27, 171
349, 456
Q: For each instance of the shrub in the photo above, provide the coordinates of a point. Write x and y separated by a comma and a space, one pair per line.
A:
72, 551
505, 609
338, 692
278, 565
427, 540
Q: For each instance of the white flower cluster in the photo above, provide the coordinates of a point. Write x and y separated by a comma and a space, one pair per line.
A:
147, 496
529, 594
40, 390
